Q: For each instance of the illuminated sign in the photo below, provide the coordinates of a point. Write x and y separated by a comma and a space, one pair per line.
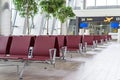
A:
83, 25
103, 19
114, 25
108, 19
89, 19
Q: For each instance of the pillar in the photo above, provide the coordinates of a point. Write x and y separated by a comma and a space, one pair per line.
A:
0, 16
5, 17
84, 4
118, 38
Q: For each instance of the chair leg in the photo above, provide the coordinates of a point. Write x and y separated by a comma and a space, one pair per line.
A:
63, 51
22, 71
84, 49
71, 55
17, 69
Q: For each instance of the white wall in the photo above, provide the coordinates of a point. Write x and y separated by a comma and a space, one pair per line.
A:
97, 12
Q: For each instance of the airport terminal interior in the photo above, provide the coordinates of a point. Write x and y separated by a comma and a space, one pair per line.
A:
59, 39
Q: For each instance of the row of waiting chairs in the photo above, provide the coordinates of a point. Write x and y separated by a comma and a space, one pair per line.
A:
85, 41
44, 48
17, 47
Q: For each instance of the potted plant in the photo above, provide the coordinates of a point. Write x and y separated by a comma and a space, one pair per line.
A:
26, 9
63, 14
50, 8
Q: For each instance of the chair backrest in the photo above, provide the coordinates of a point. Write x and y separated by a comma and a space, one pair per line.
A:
61, 40
104, 37
89, 39
109, 37
32, 40
98, 38
72, 41
4, 45
42, 45
20, 45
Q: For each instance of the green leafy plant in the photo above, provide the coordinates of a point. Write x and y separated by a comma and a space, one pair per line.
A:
27, 9
50, 7
63, 14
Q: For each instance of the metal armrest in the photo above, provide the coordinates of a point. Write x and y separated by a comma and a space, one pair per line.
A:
85, 47
86, 44
94, 44
30, 55
106, 40
101, 41
52, 53
80, 48
64, 51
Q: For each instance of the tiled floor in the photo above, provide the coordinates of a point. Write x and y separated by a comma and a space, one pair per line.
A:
103, 63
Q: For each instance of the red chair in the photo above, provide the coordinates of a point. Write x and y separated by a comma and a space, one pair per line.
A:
109, 37
61, 45
4, 45
88, 41
73, 43
98, 39
19, 48
104, 38
44, 49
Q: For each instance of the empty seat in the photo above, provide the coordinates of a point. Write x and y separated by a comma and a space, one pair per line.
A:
104, 38
61, 45
88, 40
73, 43
19, 48
4, 45
97, 38
44, 49
109, 37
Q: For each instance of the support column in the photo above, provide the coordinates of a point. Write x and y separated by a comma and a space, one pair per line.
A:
84, 4
87, 32
0, 16
5, 19
67, 2
95, 2
118, 38
81, 31
77, 26
62, 27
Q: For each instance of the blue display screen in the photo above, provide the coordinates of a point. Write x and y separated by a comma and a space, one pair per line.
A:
114, 25
83, 25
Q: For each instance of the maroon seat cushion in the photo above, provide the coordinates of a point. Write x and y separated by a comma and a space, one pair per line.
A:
16, 57
89, 39
61, 40
98, 38
42, 46
3, 45
40, 58
73, 41
104, 37
109, 37
20, 46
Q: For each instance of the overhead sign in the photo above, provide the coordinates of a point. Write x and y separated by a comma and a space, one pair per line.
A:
83, 25
114, 25
108, 19
104, 19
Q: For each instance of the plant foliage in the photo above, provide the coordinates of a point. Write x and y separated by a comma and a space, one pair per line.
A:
51, 6
26, 7
64, 13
